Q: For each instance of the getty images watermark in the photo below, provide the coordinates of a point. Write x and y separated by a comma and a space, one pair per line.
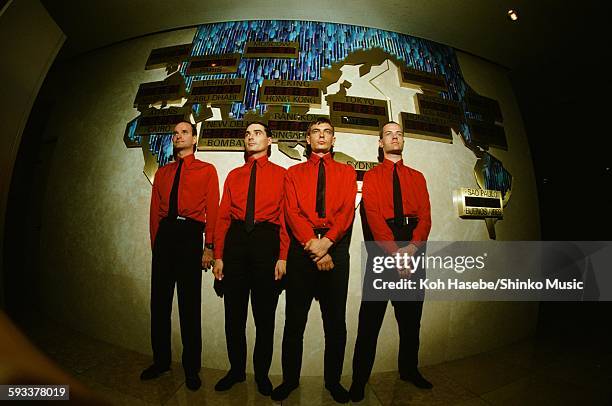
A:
490, 270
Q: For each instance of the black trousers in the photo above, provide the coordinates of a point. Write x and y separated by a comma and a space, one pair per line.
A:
305, 282
371, 315
177, 259
249, 260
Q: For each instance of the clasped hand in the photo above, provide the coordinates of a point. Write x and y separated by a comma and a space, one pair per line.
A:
409, 250
317, 248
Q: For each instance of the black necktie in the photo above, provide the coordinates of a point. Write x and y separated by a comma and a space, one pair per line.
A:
321, 190
398, 207
249, 217
173, 204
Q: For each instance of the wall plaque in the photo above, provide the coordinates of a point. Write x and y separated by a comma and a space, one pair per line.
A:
222, 135
217, 91
271, 49
170, 90
434, 106
161, 121
357, 114
487, 134
479, 203
427, 128
290, 126
295, 92
162, 57
415, 78
488, 109
208, 64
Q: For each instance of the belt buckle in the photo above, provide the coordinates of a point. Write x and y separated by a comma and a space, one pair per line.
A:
181, 218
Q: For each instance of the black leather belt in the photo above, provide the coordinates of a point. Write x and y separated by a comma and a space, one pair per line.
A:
264, 224
320, 231
183, 219
406, 221
196, 224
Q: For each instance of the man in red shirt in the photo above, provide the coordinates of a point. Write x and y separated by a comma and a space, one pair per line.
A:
319, 210
396, 206
184, 203
251, 246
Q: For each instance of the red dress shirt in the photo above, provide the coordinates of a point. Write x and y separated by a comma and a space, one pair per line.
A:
269, 192
301, 194
198, 194
377, 195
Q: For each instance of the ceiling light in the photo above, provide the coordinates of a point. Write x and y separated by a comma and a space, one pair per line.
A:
512, 15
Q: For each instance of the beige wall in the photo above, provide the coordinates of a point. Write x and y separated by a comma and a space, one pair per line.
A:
29, 42
95, 233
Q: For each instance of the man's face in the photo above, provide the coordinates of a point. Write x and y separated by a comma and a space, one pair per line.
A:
255, 139
321, 137
392, 141
183, 137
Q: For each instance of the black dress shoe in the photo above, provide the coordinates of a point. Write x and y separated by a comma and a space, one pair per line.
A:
153, 372
228, 381
264, 386
338, 392
193, 382
417, 380
282, 391
357, 392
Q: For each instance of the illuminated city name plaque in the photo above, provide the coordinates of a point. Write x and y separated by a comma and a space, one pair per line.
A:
479, 203
170, 90
290, 126
163, 57
426, 128
207, 64
222, 135
295, 92
271, 49
217, 91
487, 134
414, 78
482, 107
161, 121
438, 107
357, 114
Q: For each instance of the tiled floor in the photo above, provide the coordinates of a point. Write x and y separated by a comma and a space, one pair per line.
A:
532, 372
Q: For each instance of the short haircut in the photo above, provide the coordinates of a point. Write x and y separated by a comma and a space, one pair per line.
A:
380, 133
264, 125
268, 134
320, 120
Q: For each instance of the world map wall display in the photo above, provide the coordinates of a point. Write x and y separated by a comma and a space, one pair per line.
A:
277, 71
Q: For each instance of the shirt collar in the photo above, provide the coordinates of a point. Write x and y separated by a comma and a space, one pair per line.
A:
314, 158
261, 161
188, 160
387, 163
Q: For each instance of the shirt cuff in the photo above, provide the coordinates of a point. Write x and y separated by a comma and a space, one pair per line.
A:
390, 247
312, 237
332, 235
418, 244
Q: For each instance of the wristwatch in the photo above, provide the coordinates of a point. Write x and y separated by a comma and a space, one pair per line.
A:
210, 246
